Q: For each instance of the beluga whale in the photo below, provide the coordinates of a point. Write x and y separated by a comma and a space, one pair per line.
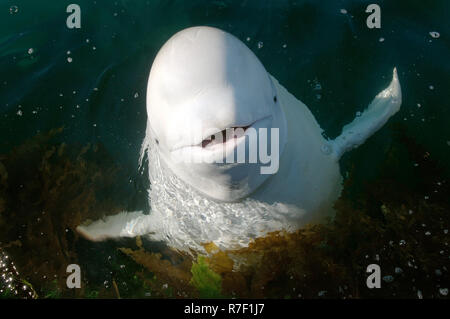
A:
230, 154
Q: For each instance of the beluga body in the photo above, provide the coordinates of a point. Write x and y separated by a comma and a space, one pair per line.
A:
231, 154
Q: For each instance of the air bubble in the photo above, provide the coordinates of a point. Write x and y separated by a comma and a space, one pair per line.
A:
419, 294
13, 9
434, 34
326, 149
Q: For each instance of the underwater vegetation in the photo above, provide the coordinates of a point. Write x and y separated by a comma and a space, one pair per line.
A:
46, 189
208, 283
398, 220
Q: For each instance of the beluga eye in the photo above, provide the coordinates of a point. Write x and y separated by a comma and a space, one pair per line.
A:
275, 99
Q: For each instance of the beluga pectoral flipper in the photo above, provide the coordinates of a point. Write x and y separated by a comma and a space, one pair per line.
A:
385, 105
124, 224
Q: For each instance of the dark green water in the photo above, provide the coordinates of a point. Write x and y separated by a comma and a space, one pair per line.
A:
322, 44
99, 97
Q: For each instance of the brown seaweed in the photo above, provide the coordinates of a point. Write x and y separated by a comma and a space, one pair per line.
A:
400, 221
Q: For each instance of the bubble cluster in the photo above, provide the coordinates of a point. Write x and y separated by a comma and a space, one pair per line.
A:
10, 283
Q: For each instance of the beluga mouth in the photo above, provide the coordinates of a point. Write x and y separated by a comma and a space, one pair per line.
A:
233, 133
224, 136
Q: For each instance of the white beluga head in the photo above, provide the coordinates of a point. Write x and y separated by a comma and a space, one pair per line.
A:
214, 114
